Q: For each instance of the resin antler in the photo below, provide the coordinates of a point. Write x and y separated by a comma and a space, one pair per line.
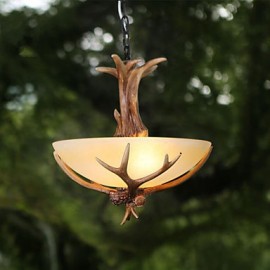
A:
88, 184
134, 184
180, 179
129, 75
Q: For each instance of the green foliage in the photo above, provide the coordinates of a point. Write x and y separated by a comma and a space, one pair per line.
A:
214, 87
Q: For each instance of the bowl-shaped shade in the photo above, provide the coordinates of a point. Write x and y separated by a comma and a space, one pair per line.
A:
146, 156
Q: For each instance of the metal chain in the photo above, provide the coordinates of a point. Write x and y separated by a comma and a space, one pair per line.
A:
125, 28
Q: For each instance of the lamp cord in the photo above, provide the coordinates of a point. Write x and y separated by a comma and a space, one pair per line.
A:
125, 28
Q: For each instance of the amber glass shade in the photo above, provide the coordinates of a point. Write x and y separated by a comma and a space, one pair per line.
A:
146, 156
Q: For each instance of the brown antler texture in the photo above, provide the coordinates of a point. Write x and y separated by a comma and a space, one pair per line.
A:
75, 177
134, 184
129, 75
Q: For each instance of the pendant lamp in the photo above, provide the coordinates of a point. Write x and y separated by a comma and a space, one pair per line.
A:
130, 165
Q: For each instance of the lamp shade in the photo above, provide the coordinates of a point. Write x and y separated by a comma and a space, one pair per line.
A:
146, 156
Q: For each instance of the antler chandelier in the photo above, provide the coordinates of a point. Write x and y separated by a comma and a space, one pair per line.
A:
130, 166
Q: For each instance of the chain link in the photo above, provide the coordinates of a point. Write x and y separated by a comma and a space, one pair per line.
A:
125, 28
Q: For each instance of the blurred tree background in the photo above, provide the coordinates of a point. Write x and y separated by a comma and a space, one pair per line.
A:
216, 86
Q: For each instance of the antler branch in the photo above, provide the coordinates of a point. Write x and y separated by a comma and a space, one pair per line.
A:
67, 170
180, 179
122, 170
129, 74
135, 183
166, 166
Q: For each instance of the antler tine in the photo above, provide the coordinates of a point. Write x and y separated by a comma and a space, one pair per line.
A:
126, 215
166, 159
170, 163
124, 162
123, 165
107, 166
129, 210
122, 170
134, 213
166, 166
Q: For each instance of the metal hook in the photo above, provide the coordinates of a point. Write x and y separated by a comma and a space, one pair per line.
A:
120, 9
